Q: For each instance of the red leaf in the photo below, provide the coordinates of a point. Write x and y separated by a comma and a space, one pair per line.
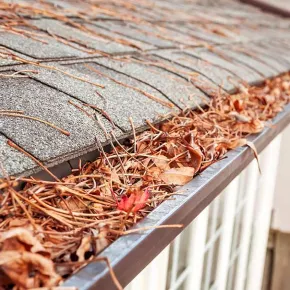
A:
140, 200
134, 202
126, 203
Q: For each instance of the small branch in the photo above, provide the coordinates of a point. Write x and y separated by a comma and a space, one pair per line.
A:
35, 119
13, 145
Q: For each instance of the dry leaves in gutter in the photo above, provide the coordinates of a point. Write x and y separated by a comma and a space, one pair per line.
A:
49, 229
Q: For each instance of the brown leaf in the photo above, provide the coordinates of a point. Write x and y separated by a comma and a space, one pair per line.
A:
131, 164
72, 204
101, 241
269, 99
185, 153
161, 162
178, 176
255, 126
153, 172
84, 247
20, 239
196, 155
239, 143
28, 270
252, 146
115, 176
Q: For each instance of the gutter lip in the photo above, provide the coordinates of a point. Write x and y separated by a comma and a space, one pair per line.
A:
130, 254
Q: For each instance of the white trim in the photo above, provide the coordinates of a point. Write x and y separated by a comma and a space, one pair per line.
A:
227, 230
263, 207
252, 176
175, 258
196, 251
214, 220
154, 276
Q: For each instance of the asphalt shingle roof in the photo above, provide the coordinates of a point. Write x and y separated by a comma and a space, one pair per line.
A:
149, 54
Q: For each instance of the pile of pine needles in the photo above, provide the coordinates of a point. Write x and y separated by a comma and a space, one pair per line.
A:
49, 229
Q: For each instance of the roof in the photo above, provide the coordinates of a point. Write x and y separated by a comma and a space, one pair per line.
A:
142, 60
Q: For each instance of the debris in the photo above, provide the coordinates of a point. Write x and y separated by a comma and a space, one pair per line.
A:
178, 176
53, 228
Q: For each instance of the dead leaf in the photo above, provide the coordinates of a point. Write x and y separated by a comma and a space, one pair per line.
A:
151, 174
269, 99
239, 117
253, 127
178, 176
136, 201
140, 200
115, 176
253, 147
196, 155
20, 239
101, 241
28, 270
126, 203
84, 247
239, 143
239, 105
97, 207
131, 164
161, 162
72, 204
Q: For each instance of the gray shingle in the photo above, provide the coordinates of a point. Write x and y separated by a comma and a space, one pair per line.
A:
249, 61
37, 49
118, 101
219, 76
272, 60
227, 63
12, 160
104, 30
87, 39
277, 47
180, 91
270, 57
129, 30
203, 83
48, 104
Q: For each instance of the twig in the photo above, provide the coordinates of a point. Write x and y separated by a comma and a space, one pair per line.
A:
13, 145
35, 119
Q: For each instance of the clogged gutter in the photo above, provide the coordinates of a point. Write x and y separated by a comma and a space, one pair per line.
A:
50, 229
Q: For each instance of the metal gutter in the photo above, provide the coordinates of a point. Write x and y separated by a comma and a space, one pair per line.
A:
129, 254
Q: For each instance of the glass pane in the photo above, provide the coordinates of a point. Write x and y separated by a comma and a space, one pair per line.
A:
183, 250
237, 231
232, 276
182, 286
169, 269
242, 188
214, 217
204, 270
210, 266
220, 211
214, 263
210, 221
